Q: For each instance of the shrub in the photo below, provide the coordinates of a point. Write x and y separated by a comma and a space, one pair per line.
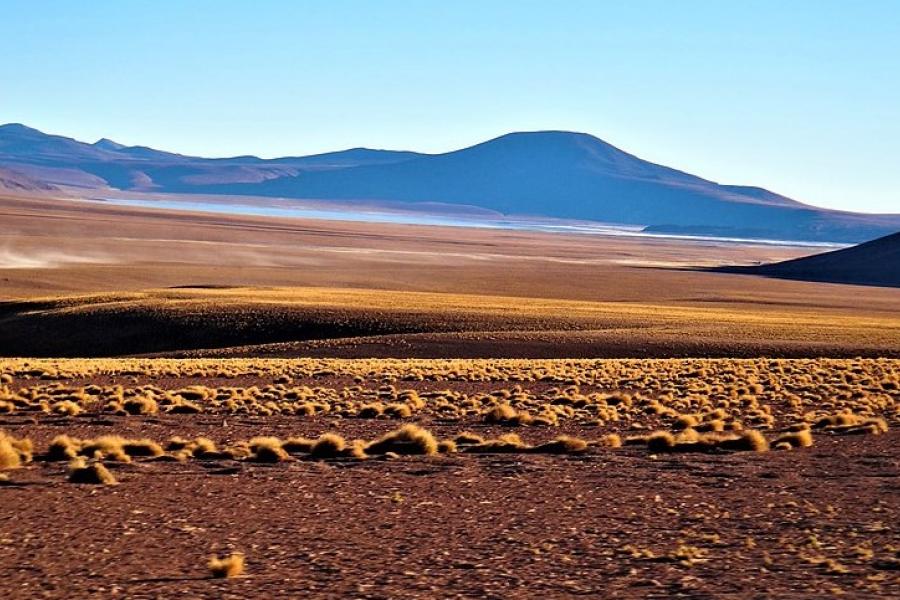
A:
371, 411
467, 438
142, 405
564, 444
94, 473
267, 450
750, 441
504, 414
328, 445
611, 440
660, 441
62, 447
794, 439
143, 447
226, 567
409, 439
685, 422
447, 447
14, 451
297, 445
504, 444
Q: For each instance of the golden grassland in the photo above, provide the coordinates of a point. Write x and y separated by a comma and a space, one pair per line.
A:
278, 321
664, 405
736, 319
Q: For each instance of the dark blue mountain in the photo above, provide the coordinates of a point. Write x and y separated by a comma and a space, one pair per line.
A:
548, 173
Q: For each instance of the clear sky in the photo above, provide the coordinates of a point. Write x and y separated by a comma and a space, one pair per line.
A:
802, 97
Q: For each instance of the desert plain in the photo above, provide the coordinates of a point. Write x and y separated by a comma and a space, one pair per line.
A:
388, 411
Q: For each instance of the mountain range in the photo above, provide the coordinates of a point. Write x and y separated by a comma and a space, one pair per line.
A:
554, 174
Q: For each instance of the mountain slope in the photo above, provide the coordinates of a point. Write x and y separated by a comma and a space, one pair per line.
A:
577, 176
872, 263
13, 181
65, 161
548, 173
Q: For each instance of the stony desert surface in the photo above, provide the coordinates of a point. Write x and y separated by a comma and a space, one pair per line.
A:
406, 478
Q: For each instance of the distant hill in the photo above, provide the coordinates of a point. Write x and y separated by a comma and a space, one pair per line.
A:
67, 162
547, 173
13, 181
872, 263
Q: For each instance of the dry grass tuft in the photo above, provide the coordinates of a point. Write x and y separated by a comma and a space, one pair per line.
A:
110, 447
143, 447
398, 411
660, 441
63, 447
408, 440
685, 422
329, 445
504, 414
298, 445
748, 441
794, 439
371, 411
14, 452
447, 447
67, 407
203, 447
267, 450
564, 444
94, 473
226, 567
142, 405
690, 440
467, 438
504, 444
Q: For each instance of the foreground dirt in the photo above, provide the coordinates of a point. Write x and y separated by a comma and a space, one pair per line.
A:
629, 522
498, 527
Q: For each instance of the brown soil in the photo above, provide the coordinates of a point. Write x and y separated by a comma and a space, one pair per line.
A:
625, 523
493, 526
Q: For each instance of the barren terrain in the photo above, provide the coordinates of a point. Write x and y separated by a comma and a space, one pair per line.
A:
92, 280
499, 465
641, 478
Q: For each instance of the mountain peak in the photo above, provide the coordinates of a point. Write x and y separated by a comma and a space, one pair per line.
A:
19, 128
108, 144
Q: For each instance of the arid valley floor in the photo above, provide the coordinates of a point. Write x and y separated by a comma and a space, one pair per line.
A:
397, 411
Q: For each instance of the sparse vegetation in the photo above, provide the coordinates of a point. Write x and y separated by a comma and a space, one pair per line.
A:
14, 452
94, 472
227, 566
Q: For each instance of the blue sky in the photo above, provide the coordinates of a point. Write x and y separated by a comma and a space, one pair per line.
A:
802, 97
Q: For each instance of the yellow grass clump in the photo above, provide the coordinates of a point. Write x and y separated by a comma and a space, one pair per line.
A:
142, 405
93, 473
267, 450
409, 439
564, 444
14, 452
328, 445
507, 443
504, 414
690, 440
226, 567
794, 439
611, 440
